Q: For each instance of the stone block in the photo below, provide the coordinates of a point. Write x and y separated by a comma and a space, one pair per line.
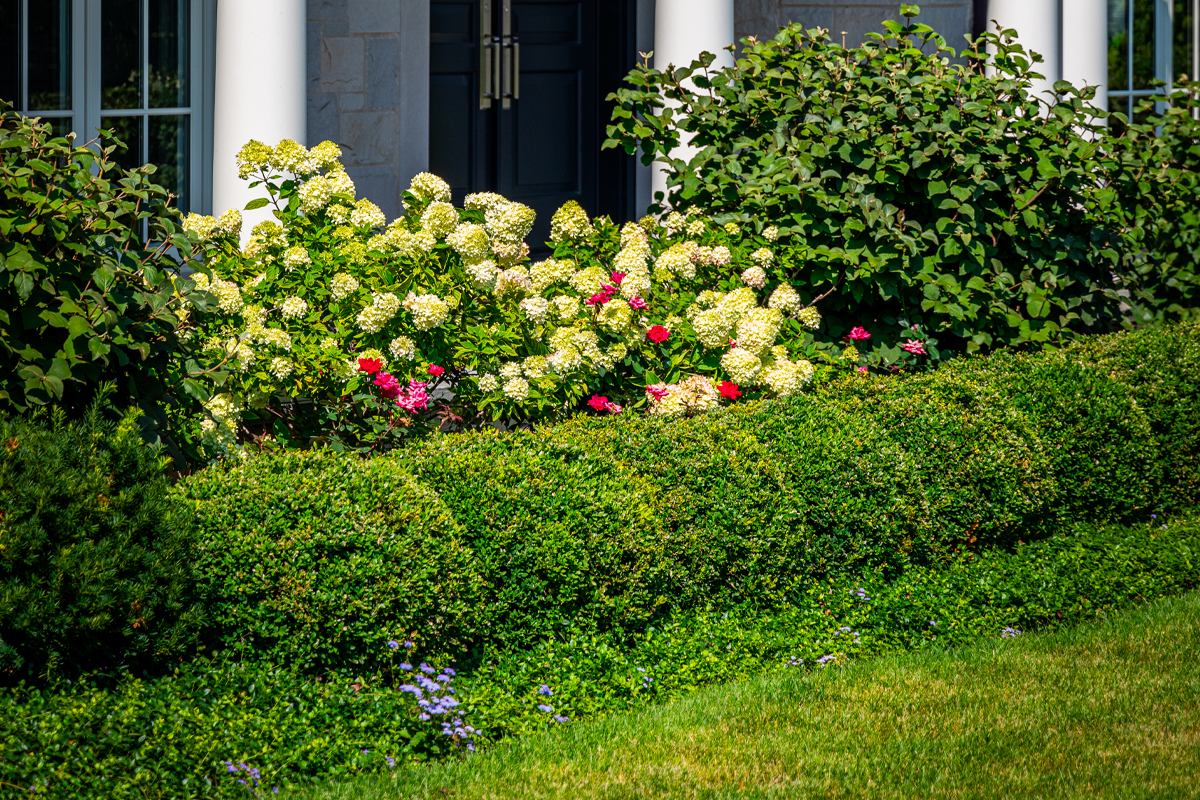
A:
859, 20
381, 186
369, 137
374, 16
351, 101
341, 64
312, 45
327, 9
323, 118
807, 16
383, 72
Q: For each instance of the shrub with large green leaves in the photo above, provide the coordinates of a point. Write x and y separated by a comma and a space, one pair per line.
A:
913, 186
87, 259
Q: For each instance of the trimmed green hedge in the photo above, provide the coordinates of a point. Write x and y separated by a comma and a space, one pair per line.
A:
491, 540
170, 738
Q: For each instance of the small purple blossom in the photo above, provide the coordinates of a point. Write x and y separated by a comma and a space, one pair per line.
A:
428, 670
545, 708
544, 690
393, 644
404, 665
559, 718
1010, 633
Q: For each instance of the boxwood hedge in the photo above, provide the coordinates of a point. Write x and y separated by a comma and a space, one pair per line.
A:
500, 540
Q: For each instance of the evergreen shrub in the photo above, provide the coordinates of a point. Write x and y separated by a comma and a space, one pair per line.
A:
501, 540
95, 561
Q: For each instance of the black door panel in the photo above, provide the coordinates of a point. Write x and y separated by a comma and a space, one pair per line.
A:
540, 144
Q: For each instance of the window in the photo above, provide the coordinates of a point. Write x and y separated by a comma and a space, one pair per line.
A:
1149, 40
135, 67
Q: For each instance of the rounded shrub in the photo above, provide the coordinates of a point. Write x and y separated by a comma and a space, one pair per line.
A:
95, 564
317, 561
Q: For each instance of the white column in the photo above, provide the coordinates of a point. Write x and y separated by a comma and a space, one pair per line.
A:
682, 30
260, 90
1085, 46
1039, 29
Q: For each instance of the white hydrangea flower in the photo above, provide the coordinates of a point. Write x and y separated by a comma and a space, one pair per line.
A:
275, 337
534, 367
545, 274
675, 222
253, 157
755, 277
732, 228
810, 318
470, 241
296, 257
293, 307
241, 352
517, 389
535, 309
339, 214
330, 343
403, 348
512, 281
483, 275
315, 194
566, 307
763, 257
383, 307
758, 329
345, 368
428, 310
430, 188
367, 215
676, 260
229, 296
280, 368
713, 327
786, 377
201, 281
204, 227
230, 223
589, 280
510, 370
720, 256
636, 284
742, 365
570, 224
488, 383
439, 219
770, 233
695, 227
219, 426
342, 285
785, 299
326, 155
339, 182
509, 222
615, 316
291, 156
483, 201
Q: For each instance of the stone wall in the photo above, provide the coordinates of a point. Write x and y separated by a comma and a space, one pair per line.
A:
761, 18
359, 97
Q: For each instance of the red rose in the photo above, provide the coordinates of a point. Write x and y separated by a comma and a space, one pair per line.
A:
658, 334
435, 370
598, 403
729, 390
370, 365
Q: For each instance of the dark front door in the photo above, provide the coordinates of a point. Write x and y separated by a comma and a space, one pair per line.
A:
517, 105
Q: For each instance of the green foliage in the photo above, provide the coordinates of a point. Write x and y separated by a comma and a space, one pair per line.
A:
95, 563
504, 540
170, 737
87, 292
910, 186
315, 560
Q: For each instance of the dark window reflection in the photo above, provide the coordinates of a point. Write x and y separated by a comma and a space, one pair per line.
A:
1118, 48
49, 55
10, 52
169, 151
1143, 43
168, 53
129, 131
60, 126
121, 54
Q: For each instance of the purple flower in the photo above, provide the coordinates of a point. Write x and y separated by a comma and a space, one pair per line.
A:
443, 678
1009, 633
544, 690
449, 672
390, 761
428, 670
364, 752
543, 707
424, 717
394, 644
409, 645
404, 665
560, 718
826, 659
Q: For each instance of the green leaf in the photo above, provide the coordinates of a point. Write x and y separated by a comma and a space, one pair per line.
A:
256, 203
104, 277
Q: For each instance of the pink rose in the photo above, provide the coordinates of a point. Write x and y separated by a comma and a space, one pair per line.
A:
859, 334
435, 370
598, 403
637, 304
617, 277
915, 347
658, 334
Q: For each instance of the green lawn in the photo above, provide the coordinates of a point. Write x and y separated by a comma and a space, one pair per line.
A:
1111, 709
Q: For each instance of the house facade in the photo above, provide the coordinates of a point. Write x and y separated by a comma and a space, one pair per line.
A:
499, 95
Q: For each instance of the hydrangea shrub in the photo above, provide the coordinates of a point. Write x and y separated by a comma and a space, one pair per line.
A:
672, 317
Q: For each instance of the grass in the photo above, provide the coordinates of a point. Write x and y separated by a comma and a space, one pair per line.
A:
1107, 710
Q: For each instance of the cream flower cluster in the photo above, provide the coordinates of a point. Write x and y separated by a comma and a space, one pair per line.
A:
296, 258
508, 222
488, 383
483, 275
291, 156
763, 257
220, 424
675, 222
342, 285
676, 262
280, 367
383, 307
535, 309
440, 219
229, 296
428, 310
403, 348
785, 299
293, 307
367, 215
691, 396
545, 274
714, 315
712, 256
206, 228
470, 241
589, 280
755, 277
483, 201
569, 224
403, 242
514, 280
429, 188
254, 157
